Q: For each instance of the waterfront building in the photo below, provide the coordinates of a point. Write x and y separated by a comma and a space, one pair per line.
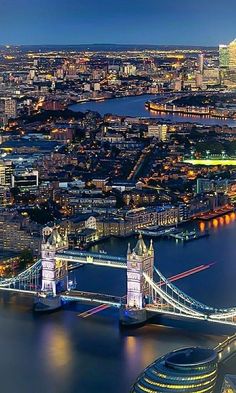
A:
229, 385
79, 223
88, 235
167, 215
185, 370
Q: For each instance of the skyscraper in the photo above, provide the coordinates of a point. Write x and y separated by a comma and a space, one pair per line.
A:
200, 62
232, 55
223, 56
227, 63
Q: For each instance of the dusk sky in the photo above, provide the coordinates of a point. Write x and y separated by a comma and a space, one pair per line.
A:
202, 22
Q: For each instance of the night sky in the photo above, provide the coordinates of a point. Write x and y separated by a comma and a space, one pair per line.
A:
176, 22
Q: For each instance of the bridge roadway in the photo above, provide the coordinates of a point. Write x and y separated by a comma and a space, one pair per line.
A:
16, 290
98, 298
91, 258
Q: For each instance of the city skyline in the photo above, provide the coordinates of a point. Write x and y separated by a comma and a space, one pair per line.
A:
58, 22
117, 196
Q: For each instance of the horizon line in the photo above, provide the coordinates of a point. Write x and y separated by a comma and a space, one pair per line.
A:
113, 44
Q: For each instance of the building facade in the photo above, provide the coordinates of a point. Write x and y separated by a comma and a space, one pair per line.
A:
185, 370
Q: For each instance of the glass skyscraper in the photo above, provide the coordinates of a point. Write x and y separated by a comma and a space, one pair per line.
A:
227, 63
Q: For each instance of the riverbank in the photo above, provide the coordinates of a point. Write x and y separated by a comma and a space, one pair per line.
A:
187, 110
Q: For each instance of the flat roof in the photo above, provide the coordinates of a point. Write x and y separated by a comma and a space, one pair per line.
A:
190, 357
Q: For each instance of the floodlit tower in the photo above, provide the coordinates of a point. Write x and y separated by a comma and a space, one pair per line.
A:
139, 261
54, 273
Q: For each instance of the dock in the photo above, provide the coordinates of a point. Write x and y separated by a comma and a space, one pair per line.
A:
186, 236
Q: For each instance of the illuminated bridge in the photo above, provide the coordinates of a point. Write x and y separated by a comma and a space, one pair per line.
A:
90, 258
149, 292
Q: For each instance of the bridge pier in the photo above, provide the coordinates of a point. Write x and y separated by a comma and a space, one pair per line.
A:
139, 293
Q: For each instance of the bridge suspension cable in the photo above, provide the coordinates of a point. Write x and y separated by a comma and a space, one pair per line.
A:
180, 293
183, 308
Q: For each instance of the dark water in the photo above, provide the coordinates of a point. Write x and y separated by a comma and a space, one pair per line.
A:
64, 353
135, 106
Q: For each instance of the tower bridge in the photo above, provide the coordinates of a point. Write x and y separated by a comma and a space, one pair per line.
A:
91, 258
149, 292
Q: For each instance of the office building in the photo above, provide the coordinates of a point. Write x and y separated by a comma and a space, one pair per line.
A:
158, 131
232, 54
185, 370
227, 64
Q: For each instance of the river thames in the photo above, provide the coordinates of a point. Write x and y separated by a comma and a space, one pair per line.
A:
64, 353
135, 107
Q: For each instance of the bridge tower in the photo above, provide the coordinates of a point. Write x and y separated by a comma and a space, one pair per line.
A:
54, 272
139, 261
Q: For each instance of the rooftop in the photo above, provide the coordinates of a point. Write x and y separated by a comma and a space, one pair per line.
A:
190, 357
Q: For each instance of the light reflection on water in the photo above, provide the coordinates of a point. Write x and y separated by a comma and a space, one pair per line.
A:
214, 223
64, 353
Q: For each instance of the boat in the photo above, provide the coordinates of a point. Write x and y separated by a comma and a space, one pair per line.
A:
46, 302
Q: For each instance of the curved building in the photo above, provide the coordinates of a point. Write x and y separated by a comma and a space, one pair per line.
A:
186, 370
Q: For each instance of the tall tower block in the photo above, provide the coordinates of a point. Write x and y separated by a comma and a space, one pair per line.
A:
54, 273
